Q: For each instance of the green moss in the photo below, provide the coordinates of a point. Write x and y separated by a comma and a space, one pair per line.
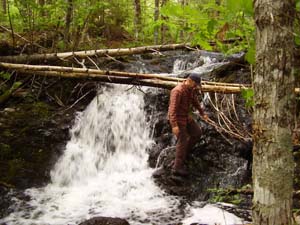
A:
5, 151
224, 195
41, 109
14, 167
7, 133
40, 155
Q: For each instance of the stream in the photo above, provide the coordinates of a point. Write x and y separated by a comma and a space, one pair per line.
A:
104, 172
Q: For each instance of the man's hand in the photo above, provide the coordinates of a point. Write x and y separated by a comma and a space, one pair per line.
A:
175, 131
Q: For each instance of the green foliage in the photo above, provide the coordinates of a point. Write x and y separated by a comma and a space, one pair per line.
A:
5, 151
4, 75
199, 22
208, 21
223, 195
16, 85
41, 110
250, 55
236, 6
248, 95
298, 5
297, 40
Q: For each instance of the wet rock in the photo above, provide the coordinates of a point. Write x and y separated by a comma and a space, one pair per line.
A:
4, 200
217, 161
28, 139
105, 221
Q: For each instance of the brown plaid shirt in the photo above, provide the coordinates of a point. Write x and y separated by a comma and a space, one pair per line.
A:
182, 98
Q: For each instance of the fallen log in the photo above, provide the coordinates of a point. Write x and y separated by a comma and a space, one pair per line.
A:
134, 81
24, 67
107, 79
98, 53
154, 80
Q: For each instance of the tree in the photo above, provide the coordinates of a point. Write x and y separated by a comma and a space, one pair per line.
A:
137, 18
163, 28
68, 19
183, 4
156, 17
4, 6
273, 83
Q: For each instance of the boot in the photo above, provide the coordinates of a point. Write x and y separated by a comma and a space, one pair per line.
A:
180, 172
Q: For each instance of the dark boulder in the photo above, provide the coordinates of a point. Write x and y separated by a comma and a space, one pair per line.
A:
105, 221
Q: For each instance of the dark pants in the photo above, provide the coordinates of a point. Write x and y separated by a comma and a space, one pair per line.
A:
188, 136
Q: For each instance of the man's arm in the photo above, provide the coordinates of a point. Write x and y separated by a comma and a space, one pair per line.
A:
198, 106
173, 109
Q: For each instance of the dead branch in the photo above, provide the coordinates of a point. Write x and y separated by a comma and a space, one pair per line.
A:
19, 36
84, 54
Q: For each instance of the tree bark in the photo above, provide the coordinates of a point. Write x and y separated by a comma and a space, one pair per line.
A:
4, 6
184, 3
273, 165
137, 18
163, 28
69, 13
156, 17
42, 4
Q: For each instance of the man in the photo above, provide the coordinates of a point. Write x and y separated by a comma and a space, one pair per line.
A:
187, 131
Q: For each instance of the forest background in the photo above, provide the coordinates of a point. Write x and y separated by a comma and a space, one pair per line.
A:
47, 26
60, 25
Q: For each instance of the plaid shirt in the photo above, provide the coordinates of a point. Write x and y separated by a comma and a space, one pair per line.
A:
182, 98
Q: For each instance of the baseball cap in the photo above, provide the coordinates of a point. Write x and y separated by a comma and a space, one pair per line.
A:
195, 77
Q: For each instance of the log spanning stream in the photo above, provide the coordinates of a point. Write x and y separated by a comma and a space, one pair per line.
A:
104, 172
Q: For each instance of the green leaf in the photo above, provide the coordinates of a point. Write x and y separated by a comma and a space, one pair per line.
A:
202, 41
5, 76
248, 95
297, 40
250, 55
234, 5
211, 25
16, 85
245, 6
248, 7
298, 4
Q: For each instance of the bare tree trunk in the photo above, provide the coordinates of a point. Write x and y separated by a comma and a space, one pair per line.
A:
273, 166
156, 17
4, 6
42, 4
69, 17
10, 23
183, 4
137, 18
163, 28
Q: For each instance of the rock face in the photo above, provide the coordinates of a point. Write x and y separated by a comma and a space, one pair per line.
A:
30, 139
105, 221
215, 162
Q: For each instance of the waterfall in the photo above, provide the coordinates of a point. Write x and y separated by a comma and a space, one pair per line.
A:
104, 172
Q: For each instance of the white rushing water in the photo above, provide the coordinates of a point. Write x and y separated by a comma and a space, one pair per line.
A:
104, 172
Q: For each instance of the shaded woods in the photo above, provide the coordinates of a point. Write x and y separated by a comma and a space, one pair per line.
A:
46, 45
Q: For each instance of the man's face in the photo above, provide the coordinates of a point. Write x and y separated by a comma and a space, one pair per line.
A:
193, 84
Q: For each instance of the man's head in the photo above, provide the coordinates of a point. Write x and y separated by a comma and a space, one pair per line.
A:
195, 78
